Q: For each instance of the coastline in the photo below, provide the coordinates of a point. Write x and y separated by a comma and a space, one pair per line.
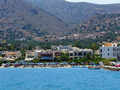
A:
111, 68
46, 66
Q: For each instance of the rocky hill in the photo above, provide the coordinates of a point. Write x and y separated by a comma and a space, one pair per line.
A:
74, 13
20, 19
26, 19
100, 23
105, 27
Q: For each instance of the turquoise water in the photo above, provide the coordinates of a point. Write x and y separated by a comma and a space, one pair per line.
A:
59, 79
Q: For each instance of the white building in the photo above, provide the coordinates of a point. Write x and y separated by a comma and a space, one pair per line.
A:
74, 52
77, 53
62, 48
110, 50
30, 55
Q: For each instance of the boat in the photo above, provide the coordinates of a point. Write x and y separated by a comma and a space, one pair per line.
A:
118, 65
94, 67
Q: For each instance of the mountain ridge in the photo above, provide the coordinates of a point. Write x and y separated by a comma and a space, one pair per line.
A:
75, 13
53, 19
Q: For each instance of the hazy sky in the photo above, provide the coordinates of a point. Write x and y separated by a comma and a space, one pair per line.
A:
97, 1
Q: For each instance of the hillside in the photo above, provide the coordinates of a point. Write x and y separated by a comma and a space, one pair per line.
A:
20, 19
49, 20
102, 22
74, 13
103, 27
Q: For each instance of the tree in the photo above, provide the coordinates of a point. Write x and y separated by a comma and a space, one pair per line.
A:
94, 46
23, 54
36, 61
64, 57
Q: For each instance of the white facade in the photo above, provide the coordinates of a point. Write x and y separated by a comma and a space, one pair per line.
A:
30, 55
74, 52
79, 53
110, 51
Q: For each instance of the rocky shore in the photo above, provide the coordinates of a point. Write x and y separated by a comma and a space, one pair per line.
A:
112, 68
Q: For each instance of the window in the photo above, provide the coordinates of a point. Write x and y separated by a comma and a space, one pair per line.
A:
71, 54
85, 53
100, 50
80, 54
75, 53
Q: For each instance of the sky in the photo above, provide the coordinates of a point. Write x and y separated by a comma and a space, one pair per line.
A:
97, 1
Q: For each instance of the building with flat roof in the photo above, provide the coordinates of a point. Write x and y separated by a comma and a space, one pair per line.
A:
73, 52
110, 50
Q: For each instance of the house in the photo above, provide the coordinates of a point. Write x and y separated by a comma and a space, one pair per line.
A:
12, 55
110, 50
39, 54
30, 55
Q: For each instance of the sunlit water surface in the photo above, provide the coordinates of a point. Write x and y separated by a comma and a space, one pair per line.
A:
58, 79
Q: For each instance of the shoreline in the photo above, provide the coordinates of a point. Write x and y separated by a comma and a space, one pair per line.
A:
111, 68
47, 66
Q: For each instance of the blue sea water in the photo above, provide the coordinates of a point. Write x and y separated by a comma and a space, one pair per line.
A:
58, 79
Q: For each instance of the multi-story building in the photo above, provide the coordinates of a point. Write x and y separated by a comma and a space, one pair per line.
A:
77, 53
73, 52
110, 50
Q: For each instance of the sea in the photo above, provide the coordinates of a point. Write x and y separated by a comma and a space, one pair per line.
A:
58, 79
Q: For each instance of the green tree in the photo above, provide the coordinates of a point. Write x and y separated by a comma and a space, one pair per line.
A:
23, 53
36, 61
64, 57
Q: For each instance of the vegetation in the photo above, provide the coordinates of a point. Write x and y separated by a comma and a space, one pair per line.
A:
36, 61
31, 44
63, 57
